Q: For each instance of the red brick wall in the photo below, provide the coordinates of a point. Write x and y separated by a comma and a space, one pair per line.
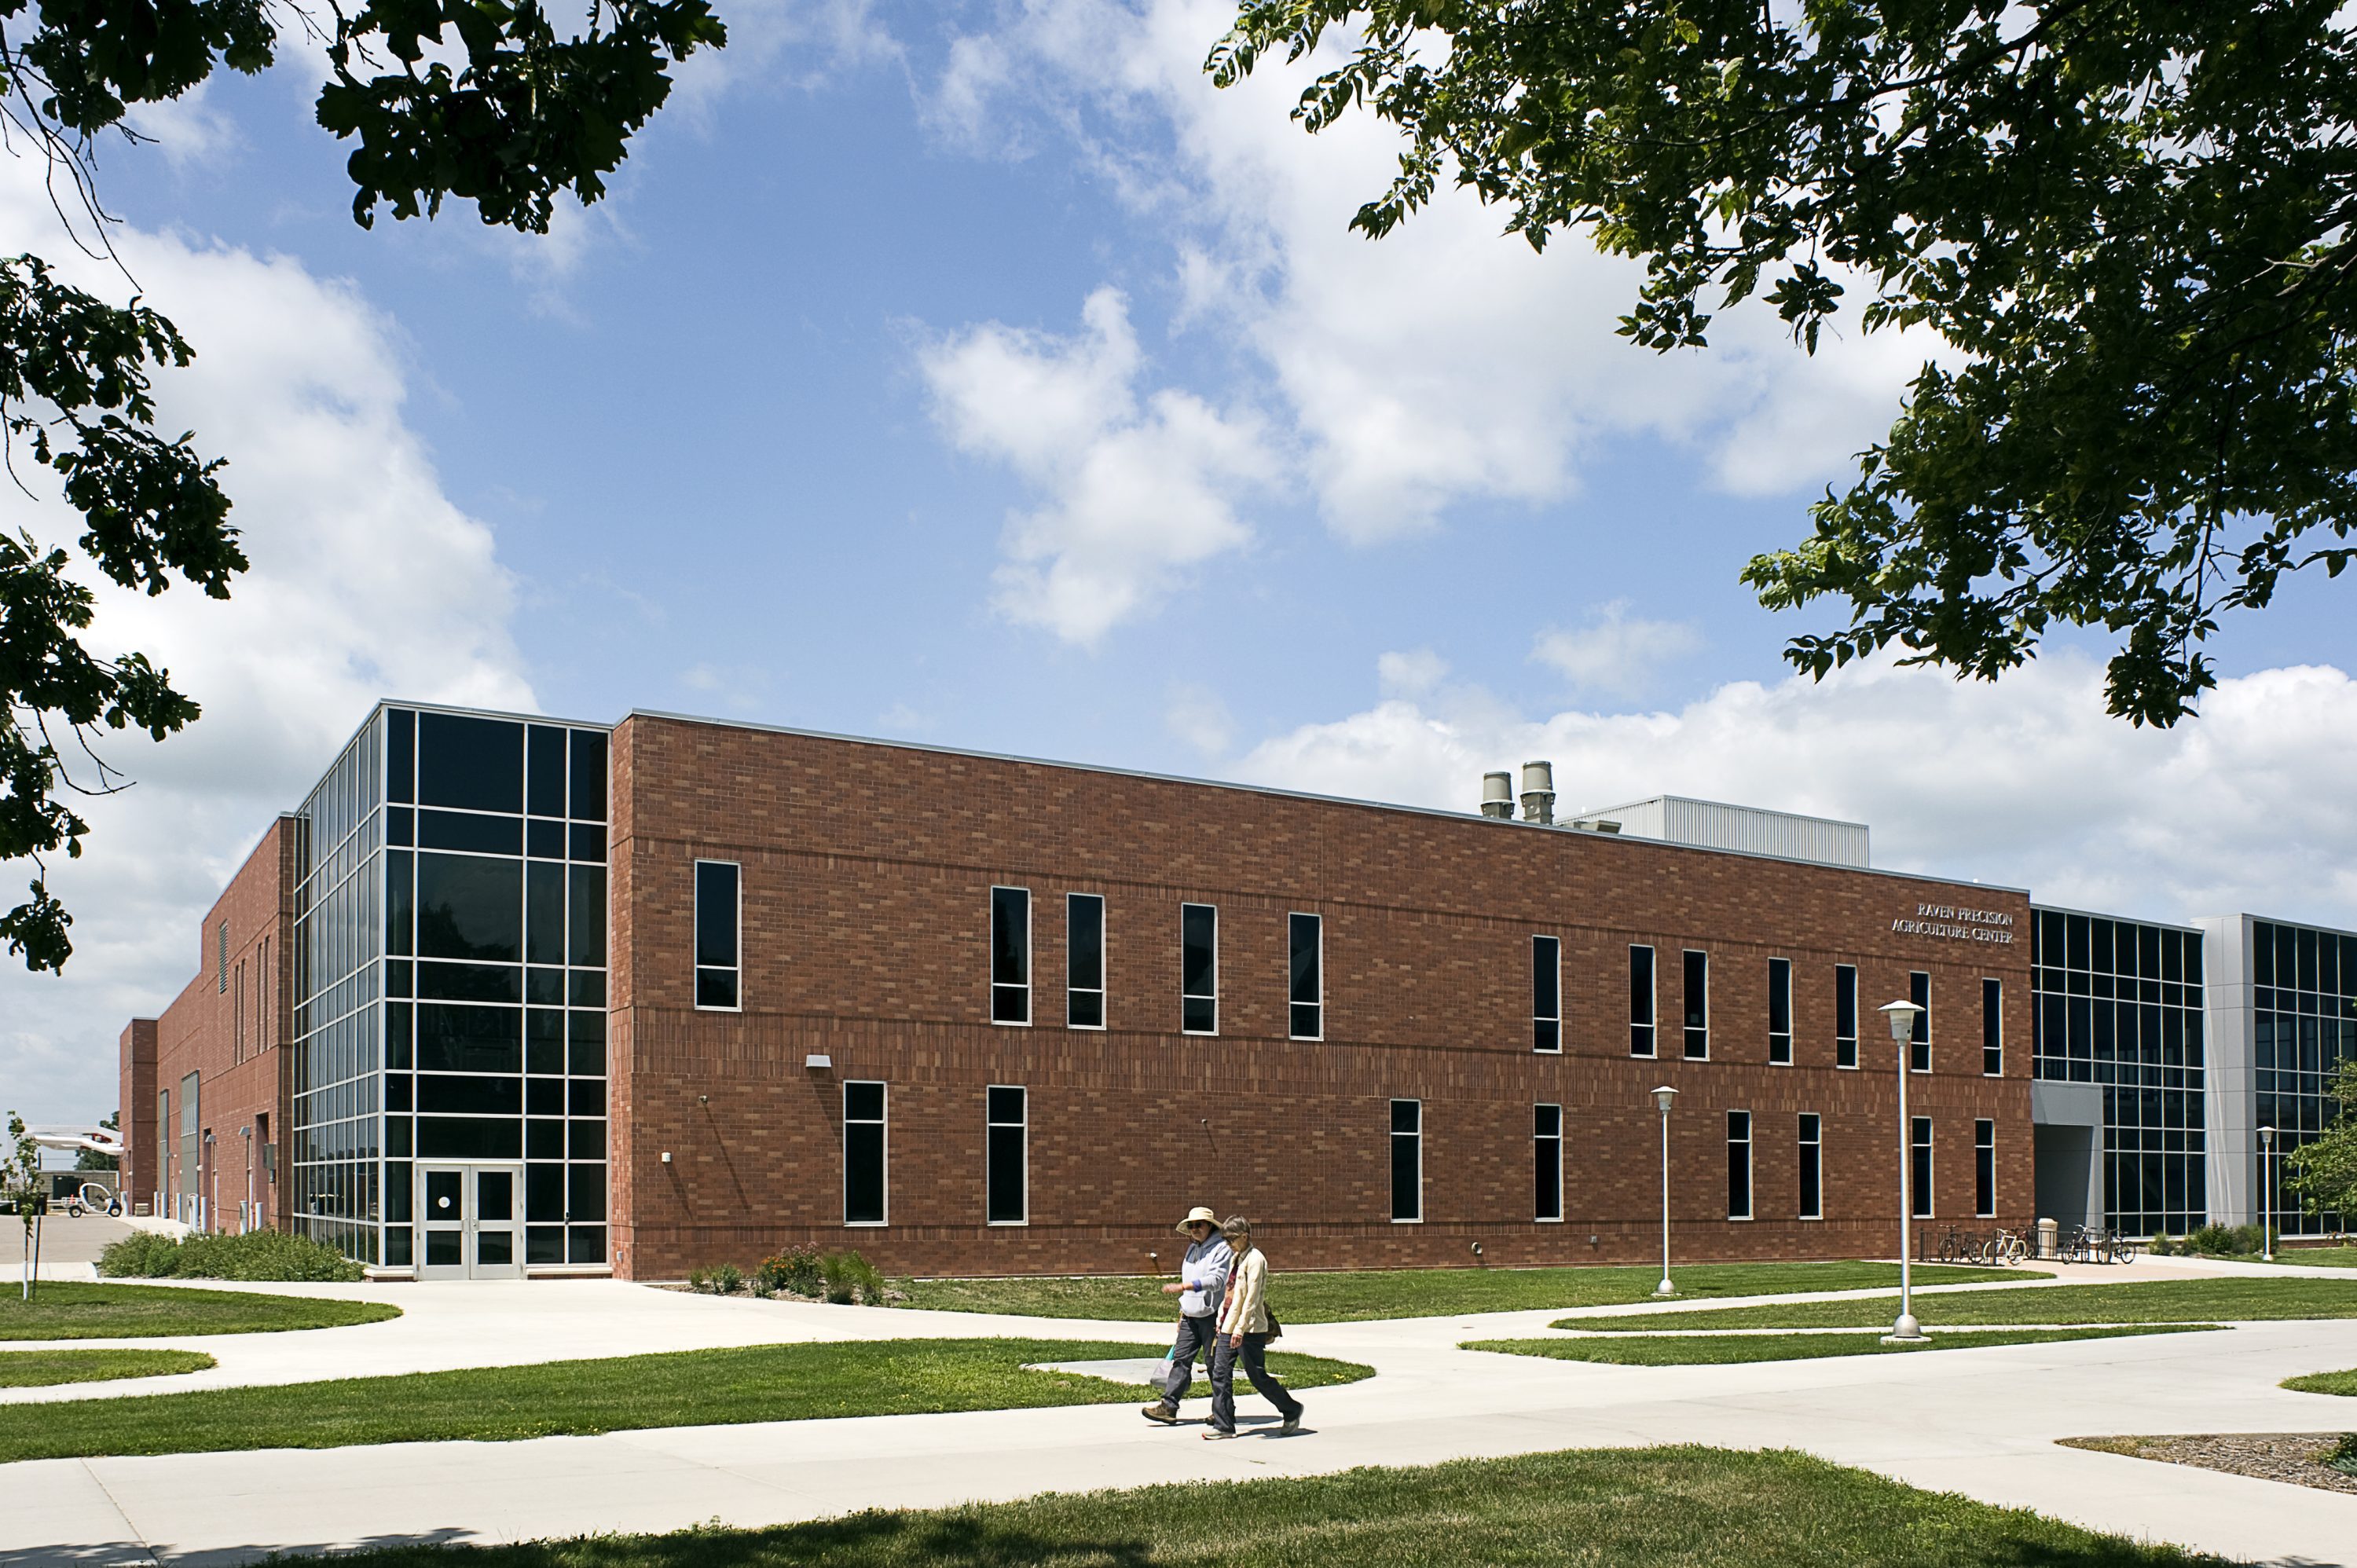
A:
233, 1039
867, 878
136, 1113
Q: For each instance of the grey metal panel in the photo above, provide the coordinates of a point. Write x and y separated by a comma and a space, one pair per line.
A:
2057, 1104
2230, 1106
1713, 824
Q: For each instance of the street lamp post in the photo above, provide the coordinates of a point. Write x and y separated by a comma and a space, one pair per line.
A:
1906, 1331
1665, 1097
2267, 1195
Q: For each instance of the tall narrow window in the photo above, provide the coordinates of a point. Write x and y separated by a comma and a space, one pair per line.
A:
1407, 1161
864, 1154
1918, 1044
1845, 1014
1984, 1169
1780, 1012
1007, 1128
1993, 1027
1306, 936
1547, 1142
1199, 969
1546, 993
1812, 1166
1919, 1141
1641, 1001
1697, 999
1739, 1164
1010, 955
718, 961
221, 956
1084, 964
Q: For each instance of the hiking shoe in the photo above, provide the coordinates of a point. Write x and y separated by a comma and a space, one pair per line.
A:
1292, 1425
1216, 1436
1161, 1412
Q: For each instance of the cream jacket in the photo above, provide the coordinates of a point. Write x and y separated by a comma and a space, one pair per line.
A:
1246, 1308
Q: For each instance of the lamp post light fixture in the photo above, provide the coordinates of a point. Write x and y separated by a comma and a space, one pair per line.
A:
1906, 1331
1665, 1097
2267, 1195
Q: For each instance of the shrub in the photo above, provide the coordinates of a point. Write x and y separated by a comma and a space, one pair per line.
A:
798, 1271
2225, 1241
257, 1255
699, 1279
728, 1279
2343, 1457
850, 1278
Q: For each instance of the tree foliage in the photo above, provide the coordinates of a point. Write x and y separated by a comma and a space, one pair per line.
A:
2323, 1174
2127, 221
483, 101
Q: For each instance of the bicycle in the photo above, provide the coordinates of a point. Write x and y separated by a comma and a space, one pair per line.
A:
2006, 1248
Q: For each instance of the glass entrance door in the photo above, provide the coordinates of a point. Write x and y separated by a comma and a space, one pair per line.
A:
467, 1221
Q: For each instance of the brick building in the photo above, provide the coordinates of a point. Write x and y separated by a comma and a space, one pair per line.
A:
562, 998
206, 1086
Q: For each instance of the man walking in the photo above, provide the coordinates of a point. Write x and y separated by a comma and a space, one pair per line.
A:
1203, 1286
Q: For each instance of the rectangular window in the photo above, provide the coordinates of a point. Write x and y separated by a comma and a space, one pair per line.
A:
1918, 1143
1641, 1001
1084, 960
716, 924
1546, 1140
1407, 1161
1918, 1044
1739, 1164
1546, 993
1010, 955
1306, 938
1993, 1027
1780, 1012
1199, 969
1697, 1000
864, 1154
1005, 1112
1845, 1014
1984, 1169
221, 956
1812, 1166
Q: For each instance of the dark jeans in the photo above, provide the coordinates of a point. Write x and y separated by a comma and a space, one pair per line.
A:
1194, 1334
1224, 1357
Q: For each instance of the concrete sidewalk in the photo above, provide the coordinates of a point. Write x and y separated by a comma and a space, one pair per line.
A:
1978, 1421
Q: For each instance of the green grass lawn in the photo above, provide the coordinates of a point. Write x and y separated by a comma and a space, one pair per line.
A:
691, 1388
1356, 1297
2158, 1301
73, 1311
1726, 1349
2316, 1257
2324, 1383
40, 1369
1644, 1508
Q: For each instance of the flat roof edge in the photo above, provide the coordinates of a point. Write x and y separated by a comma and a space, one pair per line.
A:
1280, 793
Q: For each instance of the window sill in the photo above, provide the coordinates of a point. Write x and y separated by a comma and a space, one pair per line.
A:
866, 1224
1200, 1033
1397, 1220
1543, 1220
1740, 1220
1086, 1029
1306, 1039
1010, 1023
700, 1007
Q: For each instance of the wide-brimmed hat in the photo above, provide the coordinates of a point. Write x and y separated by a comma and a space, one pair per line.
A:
1199, 1215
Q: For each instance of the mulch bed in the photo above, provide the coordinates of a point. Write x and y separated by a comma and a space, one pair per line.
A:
2294, 1456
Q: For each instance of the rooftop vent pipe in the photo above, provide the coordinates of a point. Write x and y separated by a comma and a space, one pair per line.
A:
1497, 796
1538, 792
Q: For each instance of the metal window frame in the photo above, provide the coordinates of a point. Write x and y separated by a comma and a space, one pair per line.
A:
1751, 1167
1395, 1135
1539, 1139
884, 1121
1030, 959
1100, 991
1185, 995
988, 1127
695, 886
1802, 1141
1685, 1030
1538, 1017
1291, 916
1651, 1022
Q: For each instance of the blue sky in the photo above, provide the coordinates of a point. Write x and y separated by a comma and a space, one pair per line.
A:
977, 375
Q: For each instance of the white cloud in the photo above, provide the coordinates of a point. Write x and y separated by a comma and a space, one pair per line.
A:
1135, 492
366, 581
1613, 653
2026, 783
1445, 363
1195, 715
1410, 674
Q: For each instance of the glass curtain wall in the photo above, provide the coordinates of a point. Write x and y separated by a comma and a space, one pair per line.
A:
2303, 1025
2119, 1004
450, 955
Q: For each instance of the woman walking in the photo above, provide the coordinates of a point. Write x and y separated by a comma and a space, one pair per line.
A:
1243, 1335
